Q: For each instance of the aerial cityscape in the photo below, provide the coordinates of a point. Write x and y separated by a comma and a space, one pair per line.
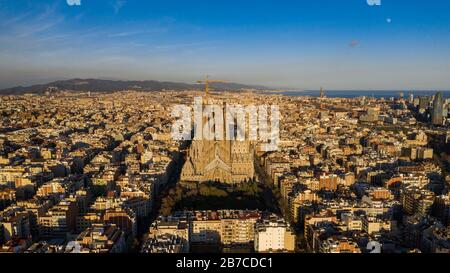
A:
92, 172
236, 162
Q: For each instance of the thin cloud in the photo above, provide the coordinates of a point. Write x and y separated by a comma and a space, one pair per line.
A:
29, 25
184, 45
138, 32
74, 2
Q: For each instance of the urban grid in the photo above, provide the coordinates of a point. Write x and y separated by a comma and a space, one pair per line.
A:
87, 172
224, 135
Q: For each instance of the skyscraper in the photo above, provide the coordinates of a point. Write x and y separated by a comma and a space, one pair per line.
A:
424, 102
322, 93
411, 98
437, 117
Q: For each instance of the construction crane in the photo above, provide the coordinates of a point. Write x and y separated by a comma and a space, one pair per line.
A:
207, 82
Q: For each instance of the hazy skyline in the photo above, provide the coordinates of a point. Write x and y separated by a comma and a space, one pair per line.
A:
295, 44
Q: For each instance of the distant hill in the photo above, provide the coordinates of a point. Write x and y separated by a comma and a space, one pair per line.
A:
96, 85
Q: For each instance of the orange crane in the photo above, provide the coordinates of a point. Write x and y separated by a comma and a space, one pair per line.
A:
207, 82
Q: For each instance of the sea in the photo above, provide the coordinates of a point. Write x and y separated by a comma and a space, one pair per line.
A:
367, 93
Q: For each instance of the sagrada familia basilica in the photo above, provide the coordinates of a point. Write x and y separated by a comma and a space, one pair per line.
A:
224, 161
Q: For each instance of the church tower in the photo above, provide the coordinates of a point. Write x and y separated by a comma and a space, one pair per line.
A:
225, 161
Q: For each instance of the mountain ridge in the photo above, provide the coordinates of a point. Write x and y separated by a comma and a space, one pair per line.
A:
99, 85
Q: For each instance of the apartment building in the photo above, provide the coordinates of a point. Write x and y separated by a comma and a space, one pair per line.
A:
274, 235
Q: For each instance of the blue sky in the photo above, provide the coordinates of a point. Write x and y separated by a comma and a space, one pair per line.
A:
340, 44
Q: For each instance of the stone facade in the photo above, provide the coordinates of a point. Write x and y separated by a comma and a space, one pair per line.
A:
219, 161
